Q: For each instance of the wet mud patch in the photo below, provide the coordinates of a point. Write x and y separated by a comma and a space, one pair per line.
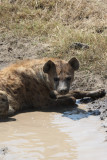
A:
101, 106
98, 108
71, 134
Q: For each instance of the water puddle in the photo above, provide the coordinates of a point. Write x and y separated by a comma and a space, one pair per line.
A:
86, 131
71, 135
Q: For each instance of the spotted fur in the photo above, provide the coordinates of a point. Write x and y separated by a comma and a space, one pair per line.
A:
29, 83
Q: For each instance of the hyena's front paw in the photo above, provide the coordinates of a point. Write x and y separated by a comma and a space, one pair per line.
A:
11, 111
71, 101
67, 101
98, 93
4, 105
101, 93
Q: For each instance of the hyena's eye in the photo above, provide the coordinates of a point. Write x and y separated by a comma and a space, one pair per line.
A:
56, 79
68, 78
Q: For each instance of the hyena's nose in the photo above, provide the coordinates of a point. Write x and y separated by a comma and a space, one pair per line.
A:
63, 91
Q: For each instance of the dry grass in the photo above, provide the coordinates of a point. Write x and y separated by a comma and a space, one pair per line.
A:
61, 23
81, 14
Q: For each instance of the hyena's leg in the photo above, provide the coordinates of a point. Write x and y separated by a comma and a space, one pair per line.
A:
61, 102
5, 108
11, 111
92, 94
4, 105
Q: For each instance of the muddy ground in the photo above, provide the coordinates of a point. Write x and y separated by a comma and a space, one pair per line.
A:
13, 49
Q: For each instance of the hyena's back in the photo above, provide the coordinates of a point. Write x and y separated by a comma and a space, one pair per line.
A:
25, 84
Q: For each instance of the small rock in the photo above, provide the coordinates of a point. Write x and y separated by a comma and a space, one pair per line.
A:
99, 30
12, 1
90, 110
19, 57
105, 126
4, 150
78, 45
96, 112
105, 139
10, 49
101, 117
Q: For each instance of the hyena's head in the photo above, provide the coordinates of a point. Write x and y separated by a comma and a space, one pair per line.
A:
61, 74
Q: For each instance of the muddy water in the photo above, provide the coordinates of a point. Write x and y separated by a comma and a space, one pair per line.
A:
71, 135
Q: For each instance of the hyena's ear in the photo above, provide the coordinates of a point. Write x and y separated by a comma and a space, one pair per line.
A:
48, 66
74, 63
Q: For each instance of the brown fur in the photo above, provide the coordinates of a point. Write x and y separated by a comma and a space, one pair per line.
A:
30, 84
25, 85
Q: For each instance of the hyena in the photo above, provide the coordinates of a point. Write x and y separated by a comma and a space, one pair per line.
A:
32, 84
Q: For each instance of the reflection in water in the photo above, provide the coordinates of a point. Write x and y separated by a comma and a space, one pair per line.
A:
33, 137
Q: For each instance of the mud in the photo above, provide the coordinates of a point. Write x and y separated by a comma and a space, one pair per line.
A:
33, 136
100, 106
15, 48
53, 136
